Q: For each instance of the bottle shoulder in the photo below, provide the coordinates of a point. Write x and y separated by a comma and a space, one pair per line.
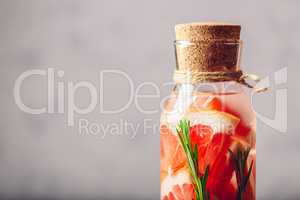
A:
228, 98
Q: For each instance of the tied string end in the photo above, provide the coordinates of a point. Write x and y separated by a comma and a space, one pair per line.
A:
252, 77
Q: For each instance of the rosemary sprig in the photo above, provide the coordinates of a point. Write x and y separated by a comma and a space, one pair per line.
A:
199, 182
242, 173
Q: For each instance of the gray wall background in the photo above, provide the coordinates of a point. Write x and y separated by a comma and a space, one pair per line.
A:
42, 158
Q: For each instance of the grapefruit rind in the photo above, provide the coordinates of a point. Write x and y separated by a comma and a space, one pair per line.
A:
220, 122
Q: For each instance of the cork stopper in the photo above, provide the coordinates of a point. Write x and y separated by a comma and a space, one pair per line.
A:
207, 47
207, 31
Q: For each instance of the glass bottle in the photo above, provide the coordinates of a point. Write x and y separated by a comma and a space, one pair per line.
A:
207, 130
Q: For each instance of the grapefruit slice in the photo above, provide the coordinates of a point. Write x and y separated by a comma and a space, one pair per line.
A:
177, 186
220, 122
201, 135
175, 177
245, 127
185, 192
205, 102
171, 153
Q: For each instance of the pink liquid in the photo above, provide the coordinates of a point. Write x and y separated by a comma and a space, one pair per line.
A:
219, 122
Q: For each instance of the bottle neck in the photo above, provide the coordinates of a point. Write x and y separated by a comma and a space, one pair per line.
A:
227, 87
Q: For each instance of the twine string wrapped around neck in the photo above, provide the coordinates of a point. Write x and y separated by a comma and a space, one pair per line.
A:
194, 77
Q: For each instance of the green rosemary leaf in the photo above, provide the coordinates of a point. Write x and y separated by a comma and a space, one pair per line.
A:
203, 180
248, 175
186, 132
232, 156
192, 156
195, 153
197, 195
240, 162
206, 175
247, 152
246, 156
181, 139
